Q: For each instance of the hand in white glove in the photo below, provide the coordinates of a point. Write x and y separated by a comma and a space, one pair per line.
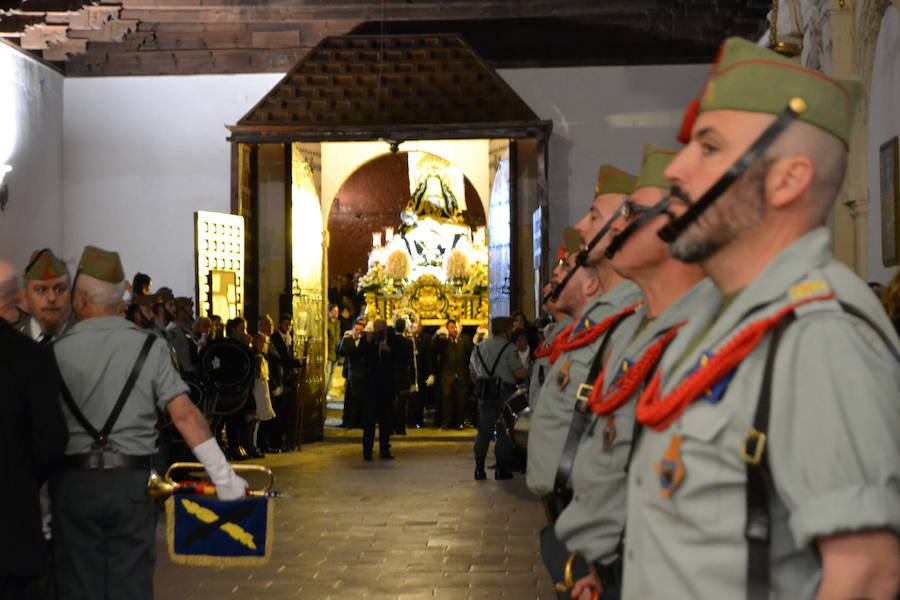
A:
414, 388
228, 485
429, 381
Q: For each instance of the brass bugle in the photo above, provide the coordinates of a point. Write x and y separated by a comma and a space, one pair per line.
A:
167, 485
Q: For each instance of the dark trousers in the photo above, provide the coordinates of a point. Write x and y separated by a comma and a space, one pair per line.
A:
103, 531
454, 397
378, 406
489, 411
271, 432
19, 587
401, 402
352, 416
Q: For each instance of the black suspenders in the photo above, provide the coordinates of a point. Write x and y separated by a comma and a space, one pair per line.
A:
758, 527
101, 438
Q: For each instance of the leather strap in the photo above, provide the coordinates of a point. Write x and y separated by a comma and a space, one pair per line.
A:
661, 207
581, 415
95, 461
101, 438
670, 232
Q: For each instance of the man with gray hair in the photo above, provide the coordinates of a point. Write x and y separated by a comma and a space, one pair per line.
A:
116, 377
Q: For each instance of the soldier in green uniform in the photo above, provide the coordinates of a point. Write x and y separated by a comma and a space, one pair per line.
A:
181, 338
104, 524
593, 295
593, 522
164, 308
45, 298
496, 369
541, 363
769, 461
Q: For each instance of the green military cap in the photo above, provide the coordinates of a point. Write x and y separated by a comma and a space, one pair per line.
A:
163, 295
44, 265
749, 78
104, 265
653, 166
611, 180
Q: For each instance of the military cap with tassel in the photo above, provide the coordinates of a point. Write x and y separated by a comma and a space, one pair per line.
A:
612, 180
44, 265
653, 167
101, 264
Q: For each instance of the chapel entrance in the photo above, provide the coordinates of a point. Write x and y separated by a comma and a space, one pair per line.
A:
356, 100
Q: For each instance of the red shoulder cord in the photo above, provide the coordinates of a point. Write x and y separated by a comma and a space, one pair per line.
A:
658, 413
546, 347
564, 343
628, 382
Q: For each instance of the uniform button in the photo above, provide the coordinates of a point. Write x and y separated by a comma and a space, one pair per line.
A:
630, 554
637, 480
575, 498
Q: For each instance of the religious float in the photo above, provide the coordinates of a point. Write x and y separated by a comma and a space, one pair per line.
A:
433, 266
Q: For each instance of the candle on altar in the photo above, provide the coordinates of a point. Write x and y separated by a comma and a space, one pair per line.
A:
388, 235
376, 239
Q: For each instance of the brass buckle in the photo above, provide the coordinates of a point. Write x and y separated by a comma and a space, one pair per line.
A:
758, 439
584, 392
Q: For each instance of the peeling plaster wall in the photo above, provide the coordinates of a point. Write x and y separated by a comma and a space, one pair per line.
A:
31, 133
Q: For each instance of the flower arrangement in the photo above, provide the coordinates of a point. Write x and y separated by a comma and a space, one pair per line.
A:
374, 280
398, 266
477, 283
457, 266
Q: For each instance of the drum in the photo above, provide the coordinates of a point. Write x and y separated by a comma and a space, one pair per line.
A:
517, 418
227, 369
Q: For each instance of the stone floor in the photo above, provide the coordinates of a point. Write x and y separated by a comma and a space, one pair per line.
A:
417, 527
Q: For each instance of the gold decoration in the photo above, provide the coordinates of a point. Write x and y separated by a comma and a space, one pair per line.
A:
784, 48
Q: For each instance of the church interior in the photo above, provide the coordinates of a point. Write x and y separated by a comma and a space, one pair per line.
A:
262, 156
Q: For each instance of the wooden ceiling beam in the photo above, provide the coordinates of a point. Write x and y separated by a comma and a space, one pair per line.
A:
162, 11
185, 62
38, 37
60, 51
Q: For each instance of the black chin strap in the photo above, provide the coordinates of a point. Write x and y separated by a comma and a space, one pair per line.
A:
670, 232
582, 257
661, 207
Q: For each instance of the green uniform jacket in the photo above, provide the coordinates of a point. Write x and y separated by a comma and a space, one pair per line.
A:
540, 366
552, 416
833, 441
593, 522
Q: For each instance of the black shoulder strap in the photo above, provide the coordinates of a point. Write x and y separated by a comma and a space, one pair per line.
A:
757, 530
481, 358
581, 416
497, 360
102, 437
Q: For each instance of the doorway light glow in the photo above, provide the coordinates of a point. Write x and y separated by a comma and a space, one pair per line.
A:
10, 73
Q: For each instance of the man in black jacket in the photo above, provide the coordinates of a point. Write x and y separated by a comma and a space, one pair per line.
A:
353, 374
451, 354
33, 437
404, 375
378, 349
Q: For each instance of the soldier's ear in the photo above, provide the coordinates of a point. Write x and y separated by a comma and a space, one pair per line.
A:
788, 179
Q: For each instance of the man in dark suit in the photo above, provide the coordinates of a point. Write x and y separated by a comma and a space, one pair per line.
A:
287, 405
404, 375
451, 354
378, 349
353, 374
33, 436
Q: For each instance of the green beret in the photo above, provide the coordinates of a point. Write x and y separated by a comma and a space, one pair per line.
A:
611, 180
653, 166
43, 265
749, 78
101, 264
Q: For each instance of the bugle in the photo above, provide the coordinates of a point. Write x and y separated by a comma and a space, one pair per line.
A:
167, 485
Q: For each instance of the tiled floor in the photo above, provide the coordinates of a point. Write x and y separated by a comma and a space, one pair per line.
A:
417, 527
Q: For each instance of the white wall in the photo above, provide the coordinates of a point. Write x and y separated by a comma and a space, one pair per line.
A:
141, 155
602, 115
884, 123
31, 131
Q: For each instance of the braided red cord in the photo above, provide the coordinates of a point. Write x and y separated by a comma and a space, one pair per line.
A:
658, 413
546, 347
564, 343
628, 382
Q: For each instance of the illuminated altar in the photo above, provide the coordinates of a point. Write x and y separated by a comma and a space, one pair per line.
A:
432, 267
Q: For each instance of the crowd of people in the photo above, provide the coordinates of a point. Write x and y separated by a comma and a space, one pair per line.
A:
716, 403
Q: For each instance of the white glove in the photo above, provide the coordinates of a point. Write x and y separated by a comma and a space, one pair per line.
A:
414, 388
429, 381
228, 485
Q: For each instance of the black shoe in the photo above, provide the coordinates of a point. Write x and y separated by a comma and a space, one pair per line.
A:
367, 457
480, 475
386, 455
257, 454
502, 474
272, 450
